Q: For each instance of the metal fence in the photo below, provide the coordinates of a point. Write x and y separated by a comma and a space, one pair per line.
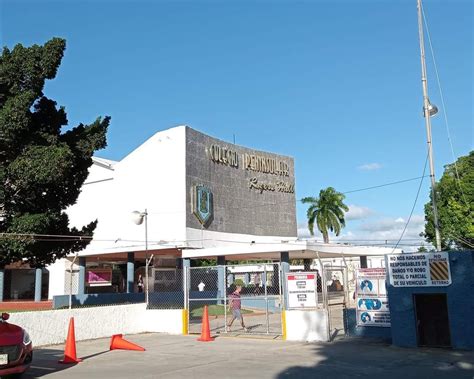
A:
112, 292
166, 286
335, 298
240, 298
253, 291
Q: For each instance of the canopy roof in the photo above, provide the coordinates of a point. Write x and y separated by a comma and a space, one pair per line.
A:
296, 250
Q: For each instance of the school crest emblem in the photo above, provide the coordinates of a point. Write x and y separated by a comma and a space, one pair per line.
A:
202, 204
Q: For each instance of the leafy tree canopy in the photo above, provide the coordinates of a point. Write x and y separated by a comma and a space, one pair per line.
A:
42, 168
327, 211
455, 202
203, 262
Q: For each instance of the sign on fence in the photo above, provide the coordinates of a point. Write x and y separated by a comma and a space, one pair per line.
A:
99, 277
301, 290
419, 270
371, 298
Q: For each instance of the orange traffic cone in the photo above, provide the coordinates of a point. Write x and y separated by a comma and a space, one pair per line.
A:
119, 343
205, 331
70, 348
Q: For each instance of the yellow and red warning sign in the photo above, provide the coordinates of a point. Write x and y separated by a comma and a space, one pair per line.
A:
439, 269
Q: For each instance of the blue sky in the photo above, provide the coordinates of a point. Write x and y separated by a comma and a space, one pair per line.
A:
335, 84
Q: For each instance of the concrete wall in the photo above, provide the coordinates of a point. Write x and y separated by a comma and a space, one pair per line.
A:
376, 332
159, 176
57, 278
151, 177
90, 299
306, 326
93, 201
50, 327
237, 207
164, 320
460, 297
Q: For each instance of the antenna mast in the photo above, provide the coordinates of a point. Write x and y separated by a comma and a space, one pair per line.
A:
428, 111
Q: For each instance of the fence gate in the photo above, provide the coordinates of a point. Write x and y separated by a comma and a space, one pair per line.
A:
337, 287
260, 301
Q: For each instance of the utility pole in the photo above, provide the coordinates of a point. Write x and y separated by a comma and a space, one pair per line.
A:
428, 111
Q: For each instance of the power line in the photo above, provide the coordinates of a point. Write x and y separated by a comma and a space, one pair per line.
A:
386, 184
414, 204
365, 242
43, 237
462, 240
46, 235
345, 192
458, 181
236, 208
71, 237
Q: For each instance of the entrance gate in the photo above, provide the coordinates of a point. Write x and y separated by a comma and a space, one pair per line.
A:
337, 298
261, 299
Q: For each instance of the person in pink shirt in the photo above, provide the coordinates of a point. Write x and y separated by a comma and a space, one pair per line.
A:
235, 305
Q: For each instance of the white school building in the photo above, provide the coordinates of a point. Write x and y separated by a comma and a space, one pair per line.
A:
198, 198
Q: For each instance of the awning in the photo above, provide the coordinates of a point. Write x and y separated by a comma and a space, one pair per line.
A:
296, 250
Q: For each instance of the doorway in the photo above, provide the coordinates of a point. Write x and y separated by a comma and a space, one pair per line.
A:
336, 293
432, 321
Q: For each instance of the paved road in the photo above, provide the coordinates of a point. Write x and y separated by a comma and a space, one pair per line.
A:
229, 357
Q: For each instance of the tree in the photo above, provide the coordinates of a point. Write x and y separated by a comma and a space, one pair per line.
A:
42, 168
455, 202
203, 262
328, 212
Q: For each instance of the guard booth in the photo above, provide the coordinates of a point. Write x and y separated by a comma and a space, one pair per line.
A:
431, 299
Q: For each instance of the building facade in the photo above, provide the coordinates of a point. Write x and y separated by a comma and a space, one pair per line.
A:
199, 197
197, 191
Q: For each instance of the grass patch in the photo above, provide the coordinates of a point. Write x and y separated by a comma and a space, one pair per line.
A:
214, 310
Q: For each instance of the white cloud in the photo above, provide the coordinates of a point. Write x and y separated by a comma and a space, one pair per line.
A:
303, 231
390, 229
370, 166
417, 219
379, 232
393, 225
358, 213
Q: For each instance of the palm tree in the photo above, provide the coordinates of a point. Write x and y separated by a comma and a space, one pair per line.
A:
328, 212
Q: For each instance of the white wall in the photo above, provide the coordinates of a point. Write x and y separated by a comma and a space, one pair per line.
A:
163, 320
50, 327
306, 326
151, 177
57, 276
93, 201
202, 238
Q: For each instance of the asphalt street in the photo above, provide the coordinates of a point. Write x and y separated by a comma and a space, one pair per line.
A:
169, 356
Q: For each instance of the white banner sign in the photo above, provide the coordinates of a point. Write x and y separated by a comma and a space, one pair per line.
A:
301, 290
371, 298
419, 270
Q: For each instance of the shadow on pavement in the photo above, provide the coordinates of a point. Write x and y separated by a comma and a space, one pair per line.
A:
45, 361
353, 357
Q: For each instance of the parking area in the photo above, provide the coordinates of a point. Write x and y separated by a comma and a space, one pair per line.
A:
170, 356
